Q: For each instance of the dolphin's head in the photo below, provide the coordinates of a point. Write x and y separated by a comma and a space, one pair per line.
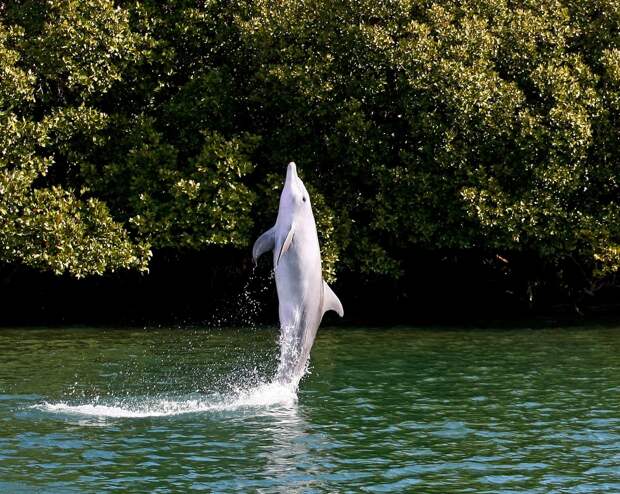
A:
294, 197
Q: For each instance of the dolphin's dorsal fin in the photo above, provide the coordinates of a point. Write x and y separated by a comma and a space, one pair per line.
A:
286, 244
264, 243
331, 301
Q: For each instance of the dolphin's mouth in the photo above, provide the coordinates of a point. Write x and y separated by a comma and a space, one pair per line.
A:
292, 180
291, 171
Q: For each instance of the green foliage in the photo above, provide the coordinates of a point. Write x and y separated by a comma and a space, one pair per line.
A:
82, 48
45, 220
204, 202
476, 125
469, 125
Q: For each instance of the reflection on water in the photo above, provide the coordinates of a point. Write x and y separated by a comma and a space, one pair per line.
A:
397, 410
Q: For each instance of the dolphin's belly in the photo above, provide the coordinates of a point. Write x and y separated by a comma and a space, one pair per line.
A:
298, 287
299, 310
299, 284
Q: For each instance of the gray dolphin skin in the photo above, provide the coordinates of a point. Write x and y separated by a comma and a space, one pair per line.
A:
303, 295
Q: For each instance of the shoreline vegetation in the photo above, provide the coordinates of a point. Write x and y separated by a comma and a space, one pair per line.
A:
463, 157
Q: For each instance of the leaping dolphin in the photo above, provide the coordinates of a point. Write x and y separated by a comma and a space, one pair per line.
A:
303, 295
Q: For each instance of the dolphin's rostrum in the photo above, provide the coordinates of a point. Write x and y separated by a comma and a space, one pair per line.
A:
303, 296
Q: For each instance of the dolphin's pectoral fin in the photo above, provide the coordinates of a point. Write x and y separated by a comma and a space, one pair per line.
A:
264, 243
331, 301
286, 244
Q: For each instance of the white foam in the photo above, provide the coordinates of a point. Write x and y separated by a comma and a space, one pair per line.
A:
265, 395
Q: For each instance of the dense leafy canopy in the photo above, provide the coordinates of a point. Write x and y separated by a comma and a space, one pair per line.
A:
486, 125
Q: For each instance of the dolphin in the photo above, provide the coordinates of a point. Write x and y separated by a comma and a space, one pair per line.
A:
303, 295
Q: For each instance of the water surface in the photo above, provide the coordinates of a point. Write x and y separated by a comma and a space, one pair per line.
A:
383, 410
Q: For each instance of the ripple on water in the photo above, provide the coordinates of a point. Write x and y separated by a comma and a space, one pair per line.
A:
383, 411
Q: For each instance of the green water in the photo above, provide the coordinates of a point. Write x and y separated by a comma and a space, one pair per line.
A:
398, 410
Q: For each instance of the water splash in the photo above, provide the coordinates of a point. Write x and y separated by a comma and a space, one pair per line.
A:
243, 388
244, 309
289, 370
265, 395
